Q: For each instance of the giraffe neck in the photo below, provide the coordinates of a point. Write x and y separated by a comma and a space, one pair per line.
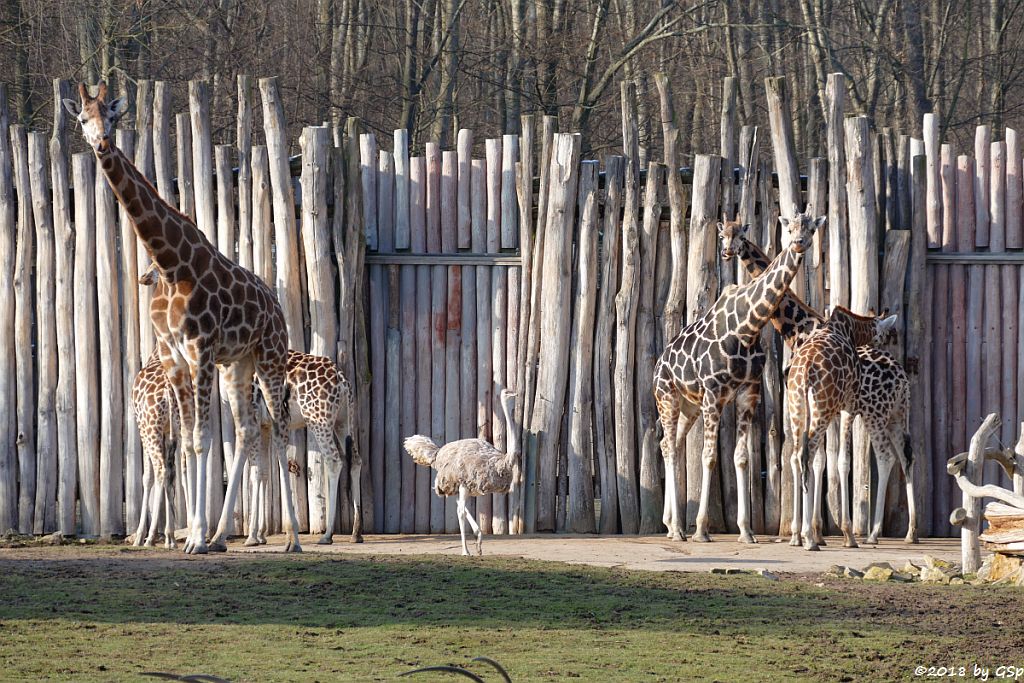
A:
762, 295
163, 230
794, 319
859, 329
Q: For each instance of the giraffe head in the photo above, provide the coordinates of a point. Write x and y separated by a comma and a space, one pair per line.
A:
96, 115
801, 229
864, 329
734, 237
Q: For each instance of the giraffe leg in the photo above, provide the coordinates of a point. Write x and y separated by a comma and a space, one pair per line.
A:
181, 387
885, 459
845, 422
811, 446
155, 501
462, 515
673, 421
819, 468
237, 380
712, 413
168, 486
259, 457
746, 405
272, 385
202, 441
147, 485
345, 437
794, 465
324, 434
901, 444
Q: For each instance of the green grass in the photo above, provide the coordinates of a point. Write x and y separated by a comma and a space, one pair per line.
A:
104, 614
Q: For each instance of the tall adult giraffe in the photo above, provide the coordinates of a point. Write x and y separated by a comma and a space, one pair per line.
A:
207, 312
882, 399
713, 359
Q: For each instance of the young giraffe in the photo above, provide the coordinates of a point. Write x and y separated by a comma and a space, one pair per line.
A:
824, 379
320, 399
883, 397
153, 402
208, 312
713, 359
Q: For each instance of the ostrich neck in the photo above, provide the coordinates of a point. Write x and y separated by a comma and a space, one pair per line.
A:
512, 431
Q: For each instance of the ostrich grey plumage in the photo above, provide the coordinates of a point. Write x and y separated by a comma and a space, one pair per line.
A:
470, 467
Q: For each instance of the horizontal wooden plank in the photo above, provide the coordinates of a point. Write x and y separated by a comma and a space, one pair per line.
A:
976, 258
456, 259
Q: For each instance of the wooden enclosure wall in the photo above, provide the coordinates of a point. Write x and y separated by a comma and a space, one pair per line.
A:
437, 277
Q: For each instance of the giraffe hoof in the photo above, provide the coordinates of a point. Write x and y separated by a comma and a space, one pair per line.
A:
198, 549
912, 539
465, 553
250, 542
358, 538
217, 547
850, 543
701, 538
812, 546
171, 545
325, 540
794, 541
872, 540
676, 536
747, 537
293, 547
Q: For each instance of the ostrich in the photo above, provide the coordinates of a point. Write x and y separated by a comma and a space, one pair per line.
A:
471, 467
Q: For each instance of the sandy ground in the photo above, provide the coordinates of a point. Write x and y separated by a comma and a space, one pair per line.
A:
653, 553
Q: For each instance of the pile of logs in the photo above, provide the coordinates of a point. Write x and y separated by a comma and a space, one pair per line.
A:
1005, 515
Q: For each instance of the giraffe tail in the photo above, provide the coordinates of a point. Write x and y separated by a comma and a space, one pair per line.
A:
908, 449
422, 449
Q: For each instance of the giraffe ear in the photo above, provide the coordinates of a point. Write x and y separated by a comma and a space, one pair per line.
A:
819, 222
721, 228
784, 222
888, 323
116, 109
744, 228
74, 108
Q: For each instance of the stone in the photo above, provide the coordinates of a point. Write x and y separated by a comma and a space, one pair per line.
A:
934, 575
880, 574
936, 563
734, 570
956, 581
851, 573
880, 565
911, 568
718, 570
56, 538
764, 573
1002, 567
902, 577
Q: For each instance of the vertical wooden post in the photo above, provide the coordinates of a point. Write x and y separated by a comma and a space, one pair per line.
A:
604, 421
982, 187
243, 146
947, 302
530, 465
838, 235
860, 189
391, 483
8, 382
67, 442
998, 330
651, 492
453, 314
408, 296
701, 292
784, 147
438, 321
108, 297
933, 205
555, 310
86, 344
46, 345
24, 306
468, 352
893, 279
918, 339
132, 323
579, 516
517, 379
623, 372
285, 239
378, 321
153, 152
484, 375
316, 147
418, 231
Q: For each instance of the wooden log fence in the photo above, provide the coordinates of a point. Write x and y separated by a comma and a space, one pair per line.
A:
437, 277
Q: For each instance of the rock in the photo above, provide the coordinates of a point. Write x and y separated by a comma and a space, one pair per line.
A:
836, 570
881, 574
718, 570
934, 575
1002, 567
936, 563
764, 573
956, 581
911, 568
56, 538
851, 573
902, 577
880, 565
734, 570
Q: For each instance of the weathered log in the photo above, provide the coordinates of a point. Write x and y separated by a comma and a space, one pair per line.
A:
604, 424
24, 308
651, 493
484, 375
524, 192
408, 297
552, 373
982, 185
969, 549
918, 338
438, 319
933, 182
418, 243
453, 308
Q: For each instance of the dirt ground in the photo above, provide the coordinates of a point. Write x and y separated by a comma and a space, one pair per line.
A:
652, 553
649, 553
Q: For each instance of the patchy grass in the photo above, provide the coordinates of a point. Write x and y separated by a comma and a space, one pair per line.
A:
111, 613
